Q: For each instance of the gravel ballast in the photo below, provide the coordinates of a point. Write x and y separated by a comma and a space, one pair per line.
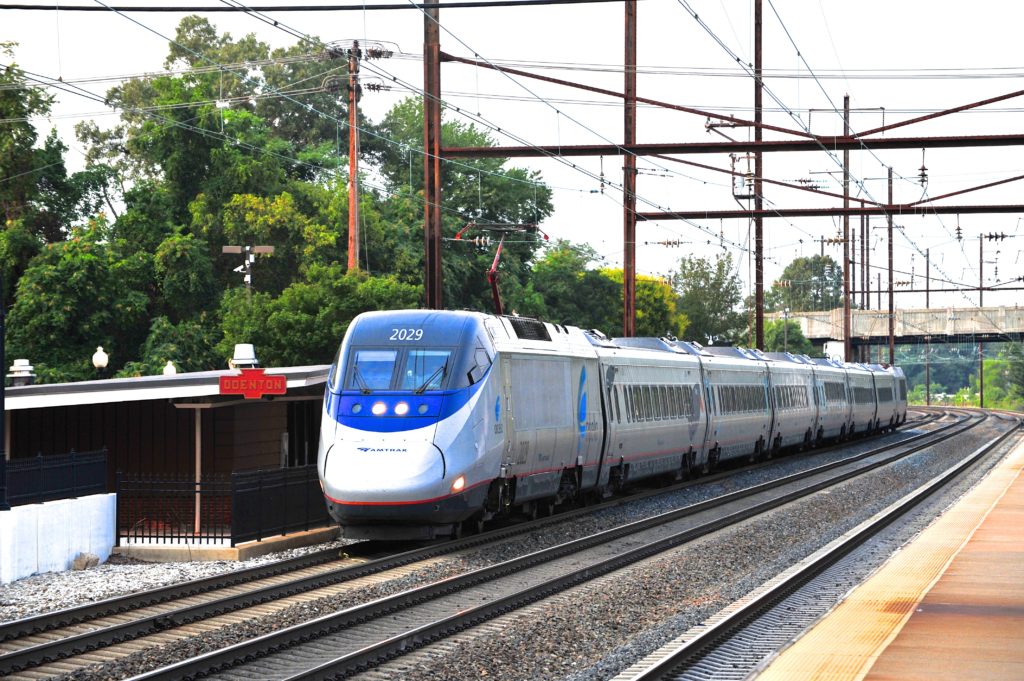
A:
590, 633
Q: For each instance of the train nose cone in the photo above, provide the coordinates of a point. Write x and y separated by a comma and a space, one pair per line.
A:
389, 472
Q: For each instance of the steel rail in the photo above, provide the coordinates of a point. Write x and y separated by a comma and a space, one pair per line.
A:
119, 604
65, 647
61, 648
300, 633
711, 636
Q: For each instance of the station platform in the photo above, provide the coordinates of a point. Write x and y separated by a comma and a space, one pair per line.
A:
949, 605
167, 552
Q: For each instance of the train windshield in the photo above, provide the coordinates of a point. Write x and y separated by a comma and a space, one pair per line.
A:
372, 369
424, 370
415, 369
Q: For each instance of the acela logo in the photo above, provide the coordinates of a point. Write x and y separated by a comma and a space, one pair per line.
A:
383, 449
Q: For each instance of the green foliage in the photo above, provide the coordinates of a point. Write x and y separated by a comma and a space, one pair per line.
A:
305, 324
814, 283
74, 296
572, 293
17, 248
786, 335
710, 294
184, 276
657, 311
19, 104
189, 344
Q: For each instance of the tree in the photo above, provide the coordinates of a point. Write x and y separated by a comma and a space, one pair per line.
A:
477, 191
305, 324
19, 104
806, 284
572, 292
710, 295
74, 296
184, 276
786, 335
657, 310
189, 344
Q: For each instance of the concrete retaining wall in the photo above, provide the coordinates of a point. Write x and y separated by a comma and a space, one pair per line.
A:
46, 537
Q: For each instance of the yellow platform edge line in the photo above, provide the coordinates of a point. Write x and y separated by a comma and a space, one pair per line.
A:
847, 642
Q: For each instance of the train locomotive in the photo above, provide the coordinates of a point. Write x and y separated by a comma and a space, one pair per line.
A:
435, 420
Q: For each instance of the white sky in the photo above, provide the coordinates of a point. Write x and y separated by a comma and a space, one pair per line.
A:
855, 48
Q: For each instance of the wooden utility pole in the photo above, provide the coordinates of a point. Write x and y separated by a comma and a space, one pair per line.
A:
847, 319
432, 156
981, 301
353, 157
629, 176
892, 303
758, 186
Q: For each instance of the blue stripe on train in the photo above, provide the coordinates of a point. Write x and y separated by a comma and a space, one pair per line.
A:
435, 407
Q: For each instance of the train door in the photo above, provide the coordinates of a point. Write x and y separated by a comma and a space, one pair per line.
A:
519, 442
710, 415
589, 423
769, 401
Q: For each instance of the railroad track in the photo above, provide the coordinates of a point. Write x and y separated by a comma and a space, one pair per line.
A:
65, 641
362, 637
738, 638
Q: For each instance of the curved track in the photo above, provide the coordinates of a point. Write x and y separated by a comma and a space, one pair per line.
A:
98, 632
363, 636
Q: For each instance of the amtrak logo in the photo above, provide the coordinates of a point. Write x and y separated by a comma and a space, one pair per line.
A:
397, 450
581, 409
497, 409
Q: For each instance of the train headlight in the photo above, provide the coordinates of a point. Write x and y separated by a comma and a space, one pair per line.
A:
379, 408
459, 484
402, 408
422, 409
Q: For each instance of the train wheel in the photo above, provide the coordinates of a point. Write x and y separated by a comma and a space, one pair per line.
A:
820, 437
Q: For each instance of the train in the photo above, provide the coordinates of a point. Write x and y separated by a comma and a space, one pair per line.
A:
435, 421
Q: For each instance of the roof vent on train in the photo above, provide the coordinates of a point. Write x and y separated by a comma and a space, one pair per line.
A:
529, 329
598, 339
788, 357
729, 351
644, 342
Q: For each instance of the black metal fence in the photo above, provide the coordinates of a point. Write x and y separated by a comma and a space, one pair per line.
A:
54, 476
246, 506
154, 508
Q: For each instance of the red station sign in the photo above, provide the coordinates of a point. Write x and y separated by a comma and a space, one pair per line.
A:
253, 384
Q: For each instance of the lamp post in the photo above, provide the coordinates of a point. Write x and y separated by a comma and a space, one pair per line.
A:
785, 330
99, 360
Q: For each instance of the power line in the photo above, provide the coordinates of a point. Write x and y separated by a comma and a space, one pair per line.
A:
461, 4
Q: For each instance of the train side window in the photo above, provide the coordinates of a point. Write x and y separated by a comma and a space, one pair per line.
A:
675, 392
666, 408
482, 362
627, 392
645, 403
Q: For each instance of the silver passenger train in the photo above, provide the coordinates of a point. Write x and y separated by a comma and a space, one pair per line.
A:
436, 419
